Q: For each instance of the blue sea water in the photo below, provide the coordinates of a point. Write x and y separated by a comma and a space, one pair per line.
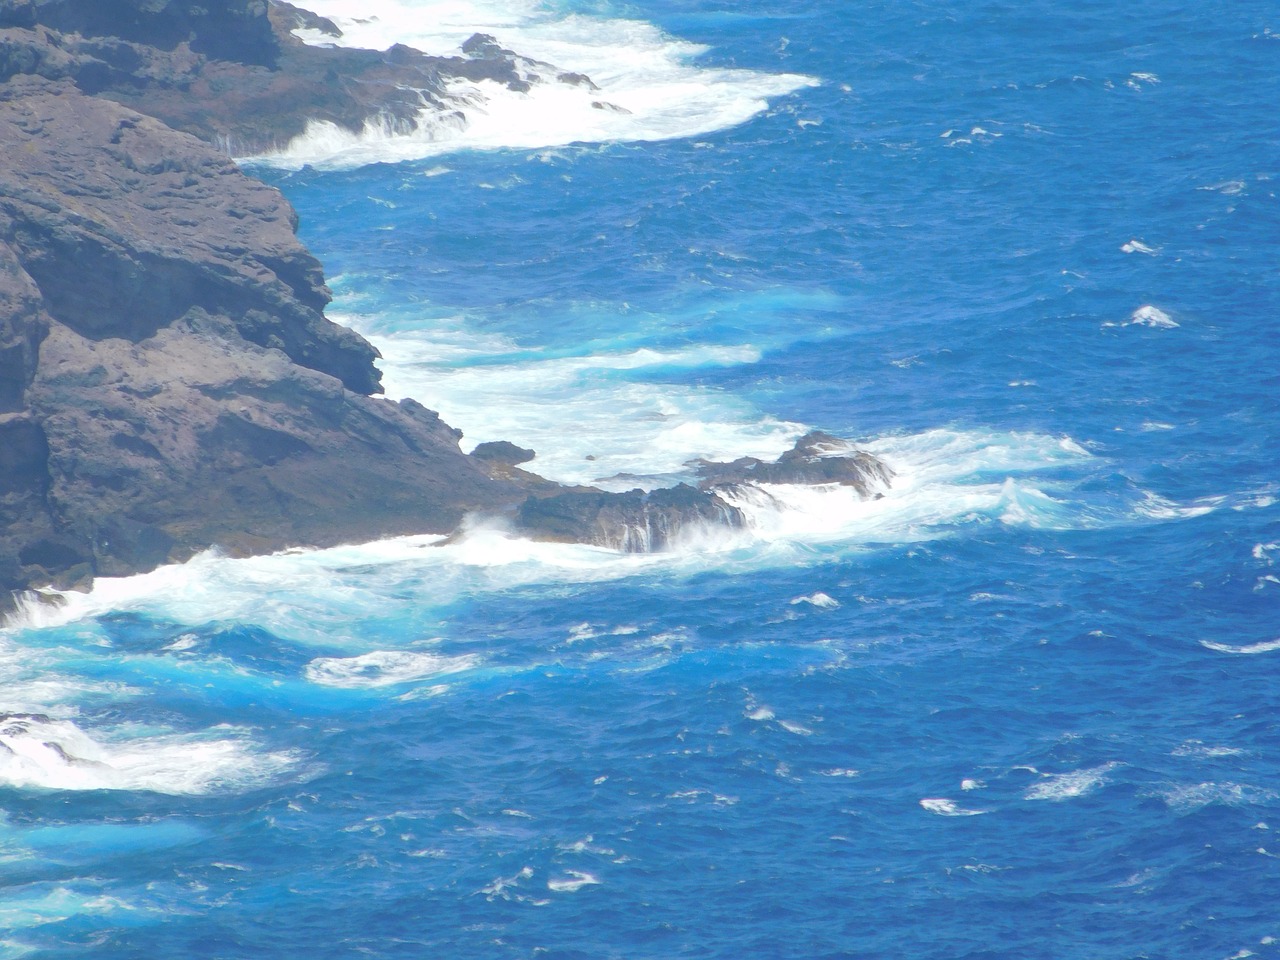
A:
1025, 706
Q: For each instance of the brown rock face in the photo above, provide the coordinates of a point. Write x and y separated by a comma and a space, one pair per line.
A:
123, 225
167, 378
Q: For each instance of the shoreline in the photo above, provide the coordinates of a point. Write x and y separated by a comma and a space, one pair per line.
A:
171, 382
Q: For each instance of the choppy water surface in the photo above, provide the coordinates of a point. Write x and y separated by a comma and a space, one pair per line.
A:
1024, 706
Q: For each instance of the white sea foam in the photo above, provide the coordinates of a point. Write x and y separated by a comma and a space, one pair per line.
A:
819, 599
1149, 316
1194, 796
1196, 748
1160, 508
792, 727
948, 808
1068, 786
38, 752
31, 681
323, 595
1265, 646
940, 479
383, 668
590, 426
586, 424
34, 905
585, 631
51, 694
649, 84
575, 881
1137, 246
1229, 188
508, 888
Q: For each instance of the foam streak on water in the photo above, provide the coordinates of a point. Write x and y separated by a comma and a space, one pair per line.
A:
586, 423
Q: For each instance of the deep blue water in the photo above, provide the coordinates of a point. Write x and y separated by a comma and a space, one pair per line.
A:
1023, 707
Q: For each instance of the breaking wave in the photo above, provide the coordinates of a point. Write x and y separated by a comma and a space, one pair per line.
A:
38, 751
648, 85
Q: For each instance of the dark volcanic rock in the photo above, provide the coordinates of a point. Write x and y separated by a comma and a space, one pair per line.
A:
816, 458
489, 60
634, 522
639, 522
503, 452
236, 30
167, 379
242, 107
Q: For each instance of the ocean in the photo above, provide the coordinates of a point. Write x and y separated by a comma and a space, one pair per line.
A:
1024, 706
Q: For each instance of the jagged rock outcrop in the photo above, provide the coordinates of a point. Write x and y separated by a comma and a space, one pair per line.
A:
640, 522
816, 458
508, 67
503, 453
168, 380
286, 17
634, 522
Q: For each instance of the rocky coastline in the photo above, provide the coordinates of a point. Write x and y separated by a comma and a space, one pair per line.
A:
168, 379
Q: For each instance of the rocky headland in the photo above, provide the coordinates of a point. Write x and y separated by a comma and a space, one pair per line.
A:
168, 379
232, 72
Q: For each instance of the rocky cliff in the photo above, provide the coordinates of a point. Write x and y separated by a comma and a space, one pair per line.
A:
168, 379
